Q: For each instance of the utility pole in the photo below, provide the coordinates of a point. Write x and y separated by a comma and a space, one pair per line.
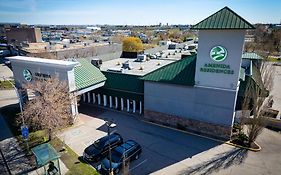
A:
109, 125
21, 109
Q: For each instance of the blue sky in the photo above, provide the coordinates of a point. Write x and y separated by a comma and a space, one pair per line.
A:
142, 12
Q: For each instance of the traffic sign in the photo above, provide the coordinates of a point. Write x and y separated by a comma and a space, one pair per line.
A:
24, 131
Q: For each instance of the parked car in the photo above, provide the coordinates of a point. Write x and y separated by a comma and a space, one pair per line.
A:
99, 149
128, 151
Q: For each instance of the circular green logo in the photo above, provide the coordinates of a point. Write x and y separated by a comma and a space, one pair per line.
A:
218, 53
27, 75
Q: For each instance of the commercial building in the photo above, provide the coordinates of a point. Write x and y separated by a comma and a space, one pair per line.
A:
80, 76
23, 35
177, 87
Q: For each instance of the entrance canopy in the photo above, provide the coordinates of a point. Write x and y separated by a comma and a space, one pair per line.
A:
87, 77
80, 75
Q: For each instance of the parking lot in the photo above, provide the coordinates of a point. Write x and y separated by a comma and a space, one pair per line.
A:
161, 147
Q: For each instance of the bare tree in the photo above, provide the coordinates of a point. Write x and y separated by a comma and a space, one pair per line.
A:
255, 99
50, 108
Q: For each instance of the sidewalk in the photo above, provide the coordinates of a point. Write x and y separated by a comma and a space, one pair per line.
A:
225, 159
16, 159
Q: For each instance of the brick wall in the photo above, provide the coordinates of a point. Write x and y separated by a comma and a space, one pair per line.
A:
198, 127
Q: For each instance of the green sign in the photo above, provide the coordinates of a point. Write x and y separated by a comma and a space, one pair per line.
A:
218, 53
27, 75
217, 68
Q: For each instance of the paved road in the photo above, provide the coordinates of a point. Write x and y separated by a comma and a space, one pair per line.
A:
162, 147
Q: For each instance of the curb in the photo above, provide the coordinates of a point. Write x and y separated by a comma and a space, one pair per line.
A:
206, 137
239, 146
186, 132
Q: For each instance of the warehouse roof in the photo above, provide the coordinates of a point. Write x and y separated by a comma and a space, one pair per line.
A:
251, 56
87, 75
181, 72
224, 19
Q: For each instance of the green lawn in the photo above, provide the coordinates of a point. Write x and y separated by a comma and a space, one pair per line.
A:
272, 59
6, 84
71, 160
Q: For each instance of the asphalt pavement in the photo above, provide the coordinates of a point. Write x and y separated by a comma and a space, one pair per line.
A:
161, 147
167, 151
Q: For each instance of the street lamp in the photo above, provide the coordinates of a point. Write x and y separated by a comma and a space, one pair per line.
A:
24, 128
109, 125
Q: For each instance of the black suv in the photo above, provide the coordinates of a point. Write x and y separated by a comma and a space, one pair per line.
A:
99, 149
128, 151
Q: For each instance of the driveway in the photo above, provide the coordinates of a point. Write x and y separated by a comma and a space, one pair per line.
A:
162, 147
167, 151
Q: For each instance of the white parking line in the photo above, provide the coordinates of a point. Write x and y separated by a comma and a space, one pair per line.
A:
138, 165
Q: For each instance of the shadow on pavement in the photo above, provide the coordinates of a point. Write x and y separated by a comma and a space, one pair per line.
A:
221, 161
161, 146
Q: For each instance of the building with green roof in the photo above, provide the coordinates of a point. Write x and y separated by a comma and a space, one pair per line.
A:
80, 76
196, 92
199, 92
224, 19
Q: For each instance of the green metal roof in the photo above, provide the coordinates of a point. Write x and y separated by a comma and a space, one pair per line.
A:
181, 72
123, 82
256, 80
87, 75
251, 55
44, 153
224, 19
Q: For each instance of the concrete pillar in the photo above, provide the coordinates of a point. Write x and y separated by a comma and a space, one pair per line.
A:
99, 99
74, 108
128, 105
140, 107
116, 102
84, 97
89, 97
110, 101
104, 100
122, 104
134, 106
94, 98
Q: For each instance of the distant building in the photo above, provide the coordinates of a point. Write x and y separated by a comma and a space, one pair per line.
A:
4, 26
23, 35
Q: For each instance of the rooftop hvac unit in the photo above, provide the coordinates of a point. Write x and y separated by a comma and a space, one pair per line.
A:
96, 62
172, 46
126, 65
141, 58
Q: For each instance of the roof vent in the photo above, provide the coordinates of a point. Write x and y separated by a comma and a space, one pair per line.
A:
126, 65
141, 58
96, 62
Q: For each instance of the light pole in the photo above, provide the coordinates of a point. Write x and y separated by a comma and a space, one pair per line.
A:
109, 125
23, 123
